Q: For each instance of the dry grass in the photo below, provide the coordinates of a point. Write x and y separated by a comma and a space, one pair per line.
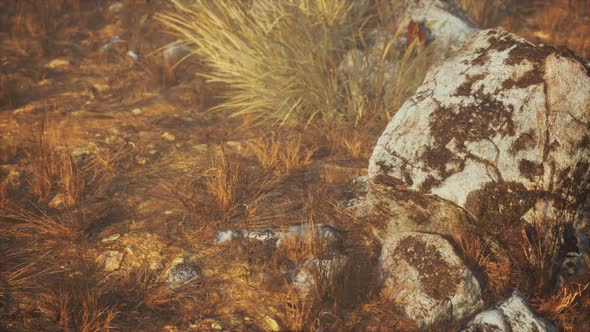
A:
279, 62
563, 22
276, 57
221, 185
280, 155
52, 169
488, 14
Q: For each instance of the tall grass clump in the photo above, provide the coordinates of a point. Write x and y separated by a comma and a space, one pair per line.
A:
277, 57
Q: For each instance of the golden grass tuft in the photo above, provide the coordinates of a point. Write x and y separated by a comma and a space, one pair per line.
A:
282, 156
221, 185
276, 57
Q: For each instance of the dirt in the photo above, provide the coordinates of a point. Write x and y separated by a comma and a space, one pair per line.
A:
95, 79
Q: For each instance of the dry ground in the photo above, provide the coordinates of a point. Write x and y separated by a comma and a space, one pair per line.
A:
95, 143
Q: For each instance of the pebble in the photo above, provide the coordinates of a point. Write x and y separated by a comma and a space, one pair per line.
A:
168, 136
116, 7
136, 111
133, 55
111, 238
80, 151
57, 63
271, 324
110, 260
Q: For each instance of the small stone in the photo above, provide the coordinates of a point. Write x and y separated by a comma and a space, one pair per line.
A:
438, 286
325, 269
114, 40
271, 324
168, 136
116, 7
111, 238
224, 236
136, 111
110, 260
182, 274
513, 314
57, 63
133, 55
80, 151
216, 326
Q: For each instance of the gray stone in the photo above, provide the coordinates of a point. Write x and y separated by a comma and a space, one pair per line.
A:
511, 315
496, 126
318, 272
425, 277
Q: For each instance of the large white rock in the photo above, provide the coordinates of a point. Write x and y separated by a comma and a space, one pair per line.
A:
511, 315
497, 124
424, 275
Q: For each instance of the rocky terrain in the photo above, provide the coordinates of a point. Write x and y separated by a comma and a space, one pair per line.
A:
292, 166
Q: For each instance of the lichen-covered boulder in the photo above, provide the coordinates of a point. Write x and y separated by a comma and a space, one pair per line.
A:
424, 275
441, 21
511, 315
497, 125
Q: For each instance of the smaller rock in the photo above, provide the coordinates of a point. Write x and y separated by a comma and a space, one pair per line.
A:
184, 270
436, 284
111, 238
271, 324
513, 314
114, 40
324, 269
116, 7
168, 136
58, 63
136, 111
216, 326
133, 55
355, 199
224, 236
182, 274
110, 260
325, 232
80, 151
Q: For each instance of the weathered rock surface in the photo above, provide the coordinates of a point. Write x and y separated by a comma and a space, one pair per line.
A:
497, 125
511, 315
183, 271
429, 281
318, 272
406, 210
443, 22
110, 260
323, 232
